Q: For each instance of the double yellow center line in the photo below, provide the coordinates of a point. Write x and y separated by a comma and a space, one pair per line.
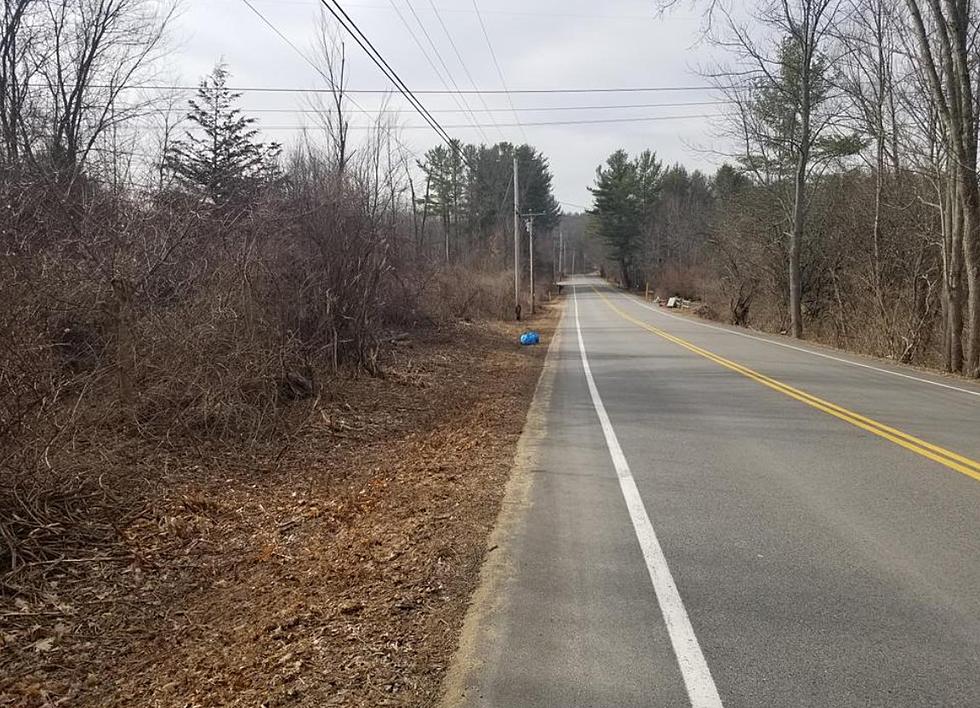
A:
948, 458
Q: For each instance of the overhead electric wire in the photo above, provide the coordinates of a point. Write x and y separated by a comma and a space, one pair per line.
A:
386, 69
605, 107
463, 126
622, 89
444, 80
442, 133
459, 57
597, 121
515, 13
485, 92
442, 62
375, 56
320, 71
500, 74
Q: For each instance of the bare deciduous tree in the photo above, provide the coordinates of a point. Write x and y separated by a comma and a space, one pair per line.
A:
785, 110
945, 39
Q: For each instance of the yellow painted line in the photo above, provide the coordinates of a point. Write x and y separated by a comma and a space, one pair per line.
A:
947, 458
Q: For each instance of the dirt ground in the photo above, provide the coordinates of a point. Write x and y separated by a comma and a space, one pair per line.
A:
335, 572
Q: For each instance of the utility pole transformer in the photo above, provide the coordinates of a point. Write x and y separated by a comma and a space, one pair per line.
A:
517, 245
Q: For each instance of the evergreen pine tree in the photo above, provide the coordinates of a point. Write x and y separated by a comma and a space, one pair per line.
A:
221, 157
625, 194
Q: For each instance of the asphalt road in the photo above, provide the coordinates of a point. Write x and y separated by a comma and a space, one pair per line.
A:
702, 517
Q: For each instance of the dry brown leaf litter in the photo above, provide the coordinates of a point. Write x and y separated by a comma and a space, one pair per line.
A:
336, 573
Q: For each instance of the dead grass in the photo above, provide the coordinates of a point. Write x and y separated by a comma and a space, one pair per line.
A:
332, 570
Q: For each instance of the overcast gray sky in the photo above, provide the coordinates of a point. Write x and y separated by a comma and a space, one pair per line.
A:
540, 44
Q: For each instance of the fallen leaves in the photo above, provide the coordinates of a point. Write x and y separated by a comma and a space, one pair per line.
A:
334, 573
42, 645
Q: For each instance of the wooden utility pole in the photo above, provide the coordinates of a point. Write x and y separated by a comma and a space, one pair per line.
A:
555, 248
561, 253
517, 245
530, 241
529, 220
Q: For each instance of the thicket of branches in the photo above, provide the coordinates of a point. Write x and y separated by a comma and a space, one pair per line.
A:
850, 210
200, 298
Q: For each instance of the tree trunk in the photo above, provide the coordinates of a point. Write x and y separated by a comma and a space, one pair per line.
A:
971, 356
971, 263
795, 240
799, 193
953, 245
624, 269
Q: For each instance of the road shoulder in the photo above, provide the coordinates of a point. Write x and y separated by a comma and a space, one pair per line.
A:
478, 643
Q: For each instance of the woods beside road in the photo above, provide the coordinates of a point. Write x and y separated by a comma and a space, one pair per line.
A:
849, 210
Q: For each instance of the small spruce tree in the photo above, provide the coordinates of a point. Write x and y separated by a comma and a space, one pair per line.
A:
221, 158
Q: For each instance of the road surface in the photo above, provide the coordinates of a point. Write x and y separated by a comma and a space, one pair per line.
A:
709, 517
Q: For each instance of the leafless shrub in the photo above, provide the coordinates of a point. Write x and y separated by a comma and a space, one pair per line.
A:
458, 293
682, 281
136, 324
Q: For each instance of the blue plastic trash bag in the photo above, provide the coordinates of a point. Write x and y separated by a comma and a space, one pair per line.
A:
530, 337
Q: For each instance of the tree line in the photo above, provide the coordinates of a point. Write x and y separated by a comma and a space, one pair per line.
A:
849, 209
468, 192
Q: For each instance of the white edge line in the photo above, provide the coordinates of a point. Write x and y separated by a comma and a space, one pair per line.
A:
801, 349
700, 686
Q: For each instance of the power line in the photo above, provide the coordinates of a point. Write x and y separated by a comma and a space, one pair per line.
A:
449, 73
608, 106
390, 73
462, 126
645, 119
428, 59
515, 13
329, 80
626, 89
493, 55
485, 92
459, 57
